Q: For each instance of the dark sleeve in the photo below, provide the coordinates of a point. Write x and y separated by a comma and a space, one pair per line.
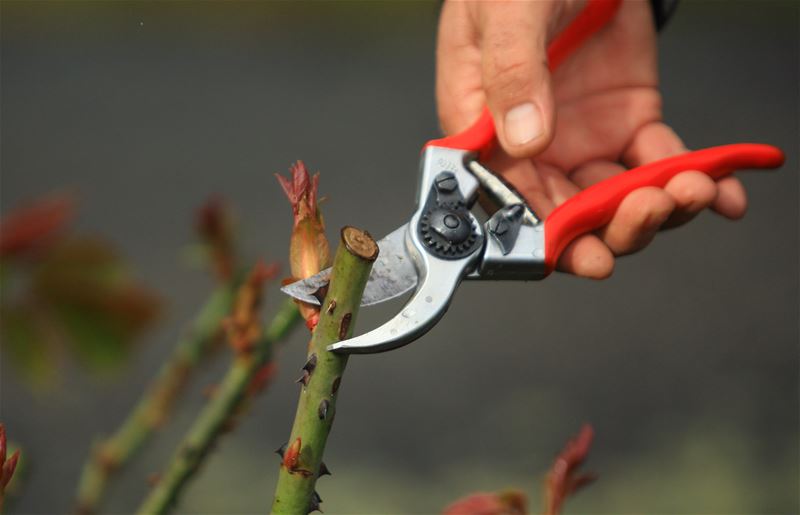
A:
663, 11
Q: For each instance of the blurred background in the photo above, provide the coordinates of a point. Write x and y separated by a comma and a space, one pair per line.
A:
685, 361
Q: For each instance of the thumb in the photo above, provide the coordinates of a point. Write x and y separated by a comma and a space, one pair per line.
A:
515, 76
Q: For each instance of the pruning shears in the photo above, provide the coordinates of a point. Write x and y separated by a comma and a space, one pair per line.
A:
444, 243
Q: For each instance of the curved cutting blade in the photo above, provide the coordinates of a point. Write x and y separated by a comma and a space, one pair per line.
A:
393, 274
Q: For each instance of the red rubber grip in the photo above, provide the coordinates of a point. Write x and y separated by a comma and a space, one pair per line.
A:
594, 207
480, 136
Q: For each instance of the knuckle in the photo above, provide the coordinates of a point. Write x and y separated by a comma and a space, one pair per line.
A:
508, 75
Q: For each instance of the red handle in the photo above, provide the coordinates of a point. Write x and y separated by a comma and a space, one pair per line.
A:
594, 207
480, 136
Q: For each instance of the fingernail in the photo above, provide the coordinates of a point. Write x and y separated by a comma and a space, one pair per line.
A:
523, 123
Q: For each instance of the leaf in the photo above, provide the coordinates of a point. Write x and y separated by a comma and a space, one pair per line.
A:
88, 273
69, 289
99, 341
34, 226
511, 502
8, 463
99, 309
563, 480
27, 346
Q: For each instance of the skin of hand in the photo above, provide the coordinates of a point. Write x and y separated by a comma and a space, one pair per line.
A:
597, 115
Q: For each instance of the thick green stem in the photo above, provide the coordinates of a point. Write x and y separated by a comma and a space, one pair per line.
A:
155, 405
302, 458
218, 413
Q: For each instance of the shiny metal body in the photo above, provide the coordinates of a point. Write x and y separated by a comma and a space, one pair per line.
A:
393, 274
512, 248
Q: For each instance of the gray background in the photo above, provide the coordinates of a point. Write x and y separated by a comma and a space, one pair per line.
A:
685, 361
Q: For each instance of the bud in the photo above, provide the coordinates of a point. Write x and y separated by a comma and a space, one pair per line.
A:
215, 228
309, 252
291, 455
243, 326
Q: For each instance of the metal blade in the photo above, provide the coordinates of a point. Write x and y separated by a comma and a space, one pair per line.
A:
393, 274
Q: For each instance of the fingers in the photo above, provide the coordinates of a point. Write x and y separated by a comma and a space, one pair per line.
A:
652, 142
637, 220
543, 187
587, 257
515, 76
731, 201
692, 191
638, 217
459, 92
647, 210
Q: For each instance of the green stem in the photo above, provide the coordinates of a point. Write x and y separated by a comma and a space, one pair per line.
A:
217, 414
155, 404
302, 458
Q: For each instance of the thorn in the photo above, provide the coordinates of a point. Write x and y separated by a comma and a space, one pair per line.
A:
304, 378
322, 411
335, 385
331, 307
282, 449
323, 470
345, 325
311, 363
314, 503
153, 479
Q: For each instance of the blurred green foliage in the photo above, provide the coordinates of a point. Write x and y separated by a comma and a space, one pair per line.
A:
65, 294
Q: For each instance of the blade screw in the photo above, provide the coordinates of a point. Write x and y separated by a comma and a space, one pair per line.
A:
446, 182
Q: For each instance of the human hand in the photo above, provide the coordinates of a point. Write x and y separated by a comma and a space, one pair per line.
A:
598, 114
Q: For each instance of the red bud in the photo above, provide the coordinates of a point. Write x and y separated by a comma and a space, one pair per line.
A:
309, 251
291, 456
